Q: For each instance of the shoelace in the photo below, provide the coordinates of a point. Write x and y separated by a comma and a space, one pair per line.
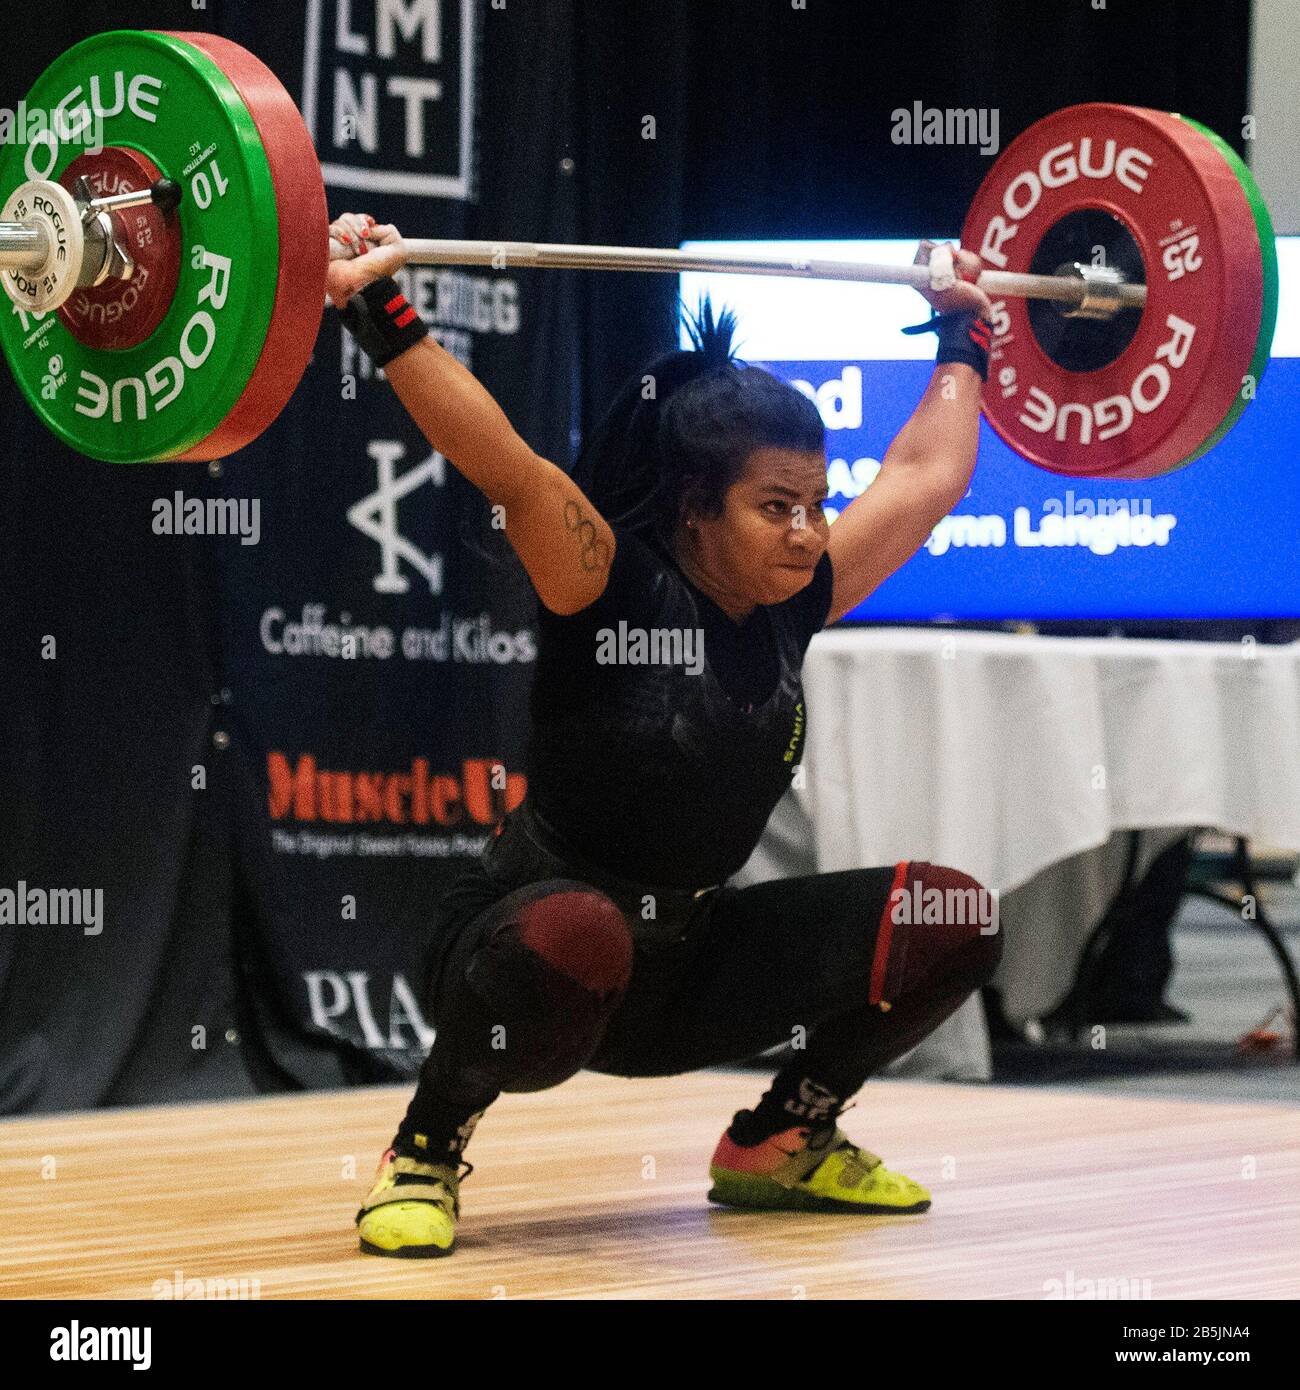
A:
815, 1136
819, 1133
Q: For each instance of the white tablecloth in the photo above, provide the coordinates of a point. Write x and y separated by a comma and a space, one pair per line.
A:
1004, 755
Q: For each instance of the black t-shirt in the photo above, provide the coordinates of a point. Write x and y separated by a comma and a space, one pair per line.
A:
664, 733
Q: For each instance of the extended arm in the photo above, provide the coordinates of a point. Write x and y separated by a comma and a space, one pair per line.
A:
564, 543
927, 468
925, 473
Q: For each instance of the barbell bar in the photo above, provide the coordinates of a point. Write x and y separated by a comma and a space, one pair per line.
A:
25, 246
1065, 287
1128, 253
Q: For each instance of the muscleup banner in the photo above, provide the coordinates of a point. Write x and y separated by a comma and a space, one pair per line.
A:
378, 638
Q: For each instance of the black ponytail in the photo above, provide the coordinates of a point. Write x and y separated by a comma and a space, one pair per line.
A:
620, 466
679, 433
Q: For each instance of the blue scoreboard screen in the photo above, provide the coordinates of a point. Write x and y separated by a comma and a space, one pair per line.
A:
1217, 539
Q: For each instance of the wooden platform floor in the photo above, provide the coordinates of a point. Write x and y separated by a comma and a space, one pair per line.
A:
597, 1190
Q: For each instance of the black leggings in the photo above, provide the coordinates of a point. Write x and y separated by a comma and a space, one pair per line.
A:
853, 968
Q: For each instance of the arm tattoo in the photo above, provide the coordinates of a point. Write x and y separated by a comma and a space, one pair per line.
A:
595, 553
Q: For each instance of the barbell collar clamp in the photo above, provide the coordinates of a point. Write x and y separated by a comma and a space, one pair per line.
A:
165, 194
105, 253
1102, 297
25, 245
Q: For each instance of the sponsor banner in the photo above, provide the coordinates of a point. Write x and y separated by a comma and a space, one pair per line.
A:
388, 94
380, 637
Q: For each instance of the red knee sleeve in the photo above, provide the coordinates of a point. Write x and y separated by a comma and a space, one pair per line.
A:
581, 934
932, 914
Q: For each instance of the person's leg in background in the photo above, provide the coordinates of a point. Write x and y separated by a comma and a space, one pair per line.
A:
521, 1003
1128, 979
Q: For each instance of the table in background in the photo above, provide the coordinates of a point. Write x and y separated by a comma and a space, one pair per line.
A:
1021, 760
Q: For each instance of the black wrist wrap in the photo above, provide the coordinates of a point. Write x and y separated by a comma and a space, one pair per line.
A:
963, 337
382, 321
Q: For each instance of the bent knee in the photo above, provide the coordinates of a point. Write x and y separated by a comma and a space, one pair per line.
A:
953, 917
580, 932
551, 977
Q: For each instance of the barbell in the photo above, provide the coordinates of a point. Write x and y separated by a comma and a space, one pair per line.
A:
167, 289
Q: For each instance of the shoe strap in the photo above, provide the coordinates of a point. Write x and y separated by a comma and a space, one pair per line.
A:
409, 1192
444, 1183
858, 1164
416, 1168
803, 1162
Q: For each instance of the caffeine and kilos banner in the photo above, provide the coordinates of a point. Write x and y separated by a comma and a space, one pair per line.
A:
380, 639
329, 645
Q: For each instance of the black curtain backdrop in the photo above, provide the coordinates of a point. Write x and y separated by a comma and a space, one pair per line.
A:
264, 930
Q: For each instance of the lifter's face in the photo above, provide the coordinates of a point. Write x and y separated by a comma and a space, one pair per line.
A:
771, 533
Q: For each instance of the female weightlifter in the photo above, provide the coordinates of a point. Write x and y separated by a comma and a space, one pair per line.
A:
682, 571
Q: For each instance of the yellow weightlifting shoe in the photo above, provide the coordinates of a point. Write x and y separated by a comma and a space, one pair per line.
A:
806, 1170
412, 1210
